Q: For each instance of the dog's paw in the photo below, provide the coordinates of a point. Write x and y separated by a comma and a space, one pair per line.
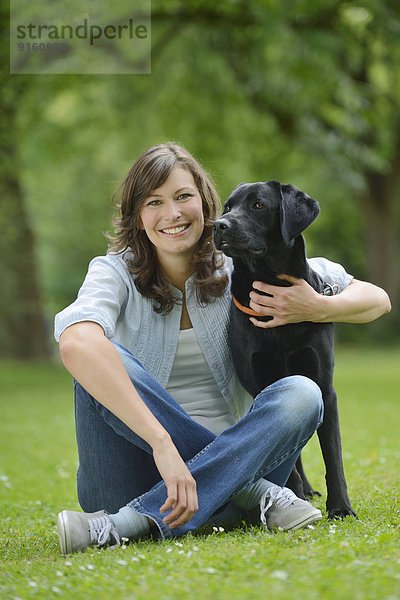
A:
341, 512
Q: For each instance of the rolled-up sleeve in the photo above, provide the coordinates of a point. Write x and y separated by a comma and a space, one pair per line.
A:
100, 299
331, 273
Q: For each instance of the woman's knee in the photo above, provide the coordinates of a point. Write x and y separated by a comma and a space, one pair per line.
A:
310, 396
303, 397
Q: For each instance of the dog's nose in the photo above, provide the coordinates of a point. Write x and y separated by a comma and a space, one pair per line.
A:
221, 224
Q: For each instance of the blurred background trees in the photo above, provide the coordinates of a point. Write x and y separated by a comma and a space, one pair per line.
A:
306, 92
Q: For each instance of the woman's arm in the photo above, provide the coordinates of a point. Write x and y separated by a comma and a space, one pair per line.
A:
359, 302
93, 360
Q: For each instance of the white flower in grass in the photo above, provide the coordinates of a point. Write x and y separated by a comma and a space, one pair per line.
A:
32, 584
218, 529
195, 548
90, 567
178, 544
56, 589
134, 559
211, 570
59, 573
121, 562
168, 550
68, 563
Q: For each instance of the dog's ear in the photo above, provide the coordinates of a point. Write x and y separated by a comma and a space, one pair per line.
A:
297, 211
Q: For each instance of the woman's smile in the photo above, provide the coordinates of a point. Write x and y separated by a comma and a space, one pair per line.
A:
173, 231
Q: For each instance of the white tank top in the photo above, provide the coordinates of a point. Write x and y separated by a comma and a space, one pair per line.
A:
192, 385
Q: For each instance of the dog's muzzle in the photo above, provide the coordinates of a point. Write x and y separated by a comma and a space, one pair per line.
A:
229, 239
221, 229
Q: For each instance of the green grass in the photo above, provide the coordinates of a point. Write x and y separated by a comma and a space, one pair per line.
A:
351, 559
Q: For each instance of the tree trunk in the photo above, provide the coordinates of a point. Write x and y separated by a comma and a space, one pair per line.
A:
22, 330
380, 206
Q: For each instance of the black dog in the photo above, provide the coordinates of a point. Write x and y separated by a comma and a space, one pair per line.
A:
261, 230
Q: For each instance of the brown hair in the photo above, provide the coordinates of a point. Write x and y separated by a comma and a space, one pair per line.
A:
148, 173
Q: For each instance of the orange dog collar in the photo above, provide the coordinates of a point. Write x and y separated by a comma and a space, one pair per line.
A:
245, 309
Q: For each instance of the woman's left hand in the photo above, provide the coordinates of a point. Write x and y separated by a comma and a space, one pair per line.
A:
294, 304
359, 302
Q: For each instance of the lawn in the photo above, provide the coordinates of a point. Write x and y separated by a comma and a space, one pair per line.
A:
340, 560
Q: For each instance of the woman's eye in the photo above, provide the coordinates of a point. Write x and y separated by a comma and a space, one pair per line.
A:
258, 205
153, 203
184, 196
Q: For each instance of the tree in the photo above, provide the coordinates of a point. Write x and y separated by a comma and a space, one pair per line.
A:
309, 95
22, 328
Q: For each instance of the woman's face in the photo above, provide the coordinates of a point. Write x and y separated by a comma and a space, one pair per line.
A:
172, 215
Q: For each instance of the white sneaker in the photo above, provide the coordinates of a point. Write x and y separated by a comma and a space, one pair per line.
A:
78, 530
282, 509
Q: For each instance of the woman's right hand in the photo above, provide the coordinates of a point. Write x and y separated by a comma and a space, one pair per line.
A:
181, 486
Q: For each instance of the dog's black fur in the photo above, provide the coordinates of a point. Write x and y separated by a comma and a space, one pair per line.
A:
261, 229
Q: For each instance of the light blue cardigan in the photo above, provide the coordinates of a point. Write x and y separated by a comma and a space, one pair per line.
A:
109, 297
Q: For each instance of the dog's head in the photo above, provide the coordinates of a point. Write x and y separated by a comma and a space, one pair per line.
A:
263, 217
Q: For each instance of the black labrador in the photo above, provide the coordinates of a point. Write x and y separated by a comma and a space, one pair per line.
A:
261, 229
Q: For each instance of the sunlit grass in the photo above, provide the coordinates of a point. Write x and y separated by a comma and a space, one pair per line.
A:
353, 559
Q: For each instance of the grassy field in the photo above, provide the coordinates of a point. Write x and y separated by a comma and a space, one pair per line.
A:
351, 559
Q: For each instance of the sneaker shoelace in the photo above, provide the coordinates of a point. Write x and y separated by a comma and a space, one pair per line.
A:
102, 531
282, 497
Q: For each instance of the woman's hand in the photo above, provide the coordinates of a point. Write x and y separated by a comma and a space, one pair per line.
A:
181, 486
359, 302
294, 304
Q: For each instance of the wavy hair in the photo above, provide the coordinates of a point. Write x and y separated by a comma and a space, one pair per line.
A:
148, 173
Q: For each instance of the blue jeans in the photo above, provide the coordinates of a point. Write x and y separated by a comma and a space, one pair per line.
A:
116, 466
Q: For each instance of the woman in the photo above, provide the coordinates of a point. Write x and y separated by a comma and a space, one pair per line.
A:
151, 318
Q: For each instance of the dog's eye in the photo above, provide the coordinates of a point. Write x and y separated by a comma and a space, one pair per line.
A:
226, 209
258, 205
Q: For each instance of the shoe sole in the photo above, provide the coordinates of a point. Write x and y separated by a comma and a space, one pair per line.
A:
62, 532
302, 522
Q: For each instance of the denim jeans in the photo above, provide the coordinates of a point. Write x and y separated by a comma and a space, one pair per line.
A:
116, 466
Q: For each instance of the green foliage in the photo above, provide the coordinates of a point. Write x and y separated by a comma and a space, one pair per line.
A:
351, 559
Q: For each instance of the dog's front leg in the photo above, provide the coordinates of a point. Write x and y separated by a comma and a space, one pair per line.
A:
337, 502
